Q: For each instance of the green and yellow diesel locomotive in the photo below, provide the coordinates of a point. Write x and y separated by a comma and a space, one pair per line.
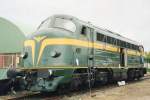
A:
66, 52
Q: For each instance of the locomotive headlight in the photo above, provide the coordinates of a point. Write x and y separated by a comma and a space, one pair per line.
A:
24, 55
55, 54
50, 72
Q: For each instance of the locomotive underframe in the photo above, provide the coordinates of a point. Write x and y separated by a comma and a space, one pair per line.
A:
72, 79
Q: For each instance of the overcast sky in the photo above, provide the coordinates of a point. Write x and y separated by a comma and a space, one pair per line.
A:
130, 18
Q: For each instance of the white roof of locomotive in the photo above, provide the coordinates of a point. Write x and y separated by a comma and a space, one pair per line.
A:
111, 34
100, 30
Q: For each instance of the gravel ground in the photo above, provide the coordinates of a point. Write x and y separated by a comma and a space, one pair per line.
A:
137, 90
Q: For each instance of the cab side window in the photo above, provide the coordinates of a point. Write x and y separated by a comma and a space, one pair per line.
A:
83, 30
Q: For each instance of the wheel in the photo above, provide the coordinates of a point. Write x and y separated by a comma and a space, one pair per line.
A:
131, 75
63, 89
102, 78
141, 73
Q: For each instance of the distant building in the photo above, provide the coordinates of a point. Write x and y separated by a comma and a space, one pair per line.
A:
11, 44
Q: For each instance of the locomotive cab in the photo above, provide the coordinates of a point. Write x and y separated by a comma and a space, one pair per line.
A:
51, 43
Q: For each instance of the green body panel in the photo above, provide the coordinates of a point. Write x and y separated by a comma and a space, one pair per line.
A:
69, 53
106, 58
66, 56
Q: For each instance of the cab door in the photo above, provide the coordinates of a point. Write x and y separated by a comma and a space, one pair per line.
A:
123, 57
86, 58
90, 37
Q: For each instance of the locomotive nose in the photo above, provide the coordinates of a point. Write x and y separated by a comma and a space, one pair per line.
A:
47, 48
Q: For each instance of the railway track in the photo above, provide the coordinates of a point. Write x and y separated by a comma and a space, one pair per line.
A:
32, 96
18, 95
25, 95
